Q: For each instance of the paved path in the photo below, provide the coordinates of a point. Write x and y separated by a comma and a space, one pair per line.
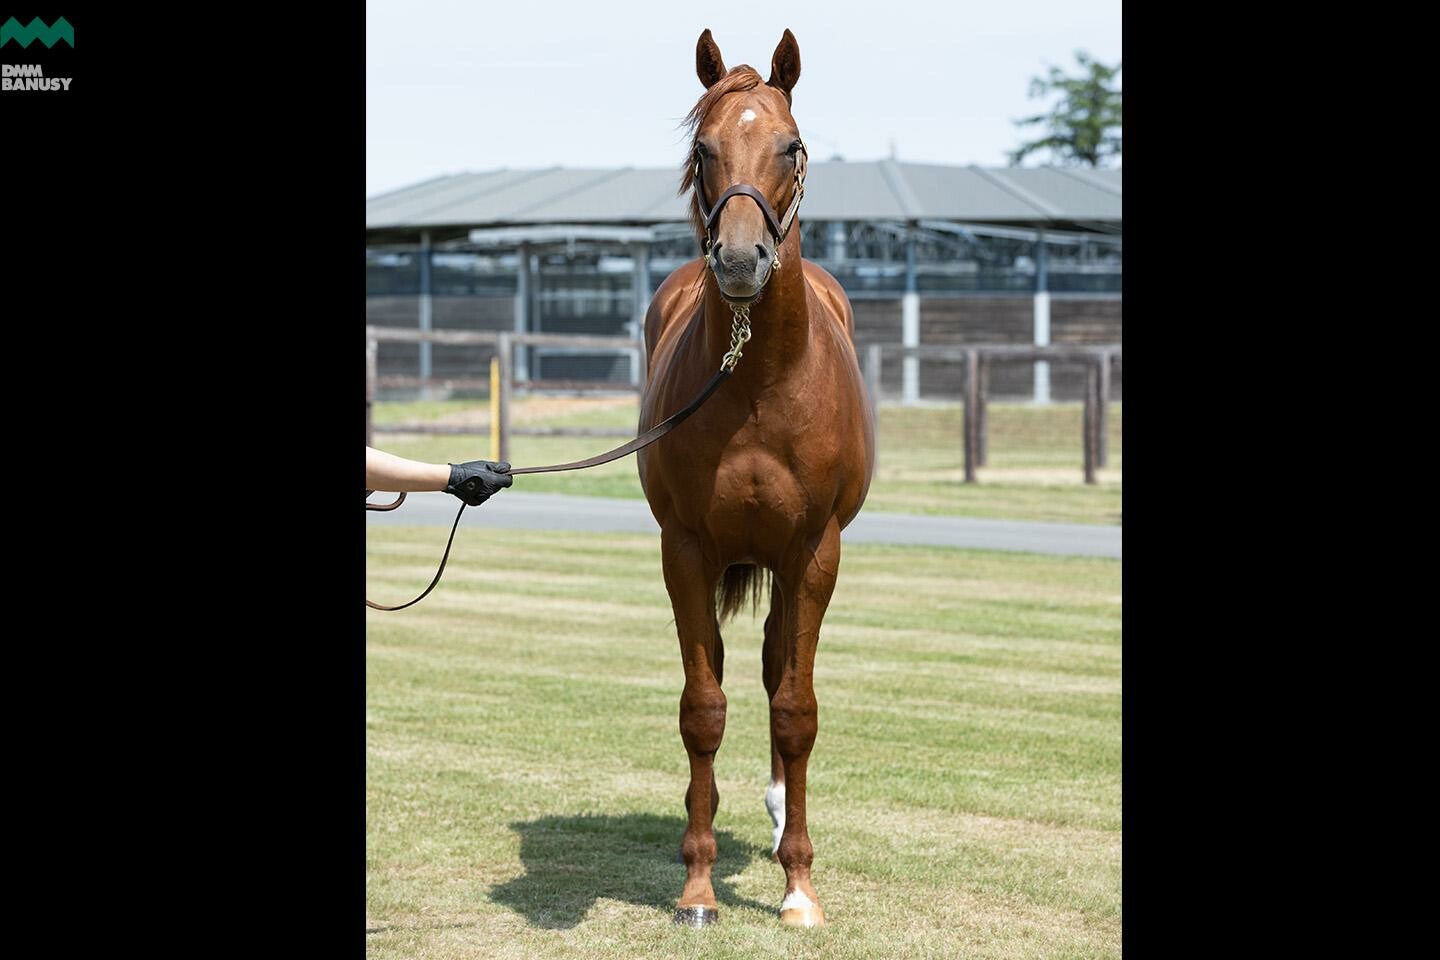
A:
552, 511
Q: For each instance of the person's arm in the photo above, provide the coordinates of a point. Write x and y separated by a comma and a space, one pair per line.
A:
474, 482
392, 474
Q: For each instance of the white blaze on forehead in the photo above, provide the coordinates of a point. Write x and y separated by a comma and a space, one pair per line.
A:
747, 117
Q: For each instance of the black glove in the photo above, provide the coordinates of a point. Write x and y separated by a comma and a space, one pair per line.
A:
479, 480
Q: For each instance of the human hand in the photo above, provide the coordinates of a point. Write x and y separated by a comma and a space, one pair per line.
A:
478, 480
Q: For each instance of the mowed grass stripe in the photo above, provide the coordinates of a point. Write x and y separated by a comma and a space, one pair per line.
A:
525, 772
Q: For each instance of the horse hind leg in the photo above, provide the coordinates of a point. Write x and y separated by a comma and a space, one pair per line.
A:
808, 585
772, 657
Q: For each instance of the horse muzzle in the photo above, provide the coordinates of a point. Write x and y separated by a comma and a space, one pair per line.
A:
741, 276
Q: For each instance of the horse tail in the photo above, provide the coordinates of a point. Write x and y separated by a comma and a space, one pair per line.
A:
740, 579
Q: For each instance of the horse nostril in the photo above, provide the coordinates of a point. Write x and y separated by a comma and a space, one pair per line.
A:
715, 252
763, 253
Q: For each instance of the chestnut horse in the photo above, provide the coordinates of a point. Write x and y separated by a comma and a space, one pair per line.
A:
762, 479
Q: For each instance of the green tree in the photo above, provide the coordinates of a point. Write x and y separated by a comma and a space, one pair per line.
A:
1084, 126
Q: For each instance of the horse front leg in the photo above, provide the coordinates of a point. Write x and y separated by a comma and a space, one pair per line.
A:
717, 667
691, 580
810, 580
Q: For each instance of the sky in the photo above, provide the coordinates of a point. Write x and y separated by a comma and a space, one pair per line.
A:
452, 87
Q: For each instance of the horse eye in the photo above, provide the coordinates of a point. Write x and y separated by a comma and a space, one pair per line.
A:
701, 151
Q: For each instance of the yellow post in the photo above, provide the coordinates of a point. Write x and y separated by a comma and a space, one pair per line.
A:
494, 408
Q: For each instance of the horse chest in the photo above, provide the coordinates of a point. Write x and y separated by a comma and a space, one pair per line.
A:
759, 498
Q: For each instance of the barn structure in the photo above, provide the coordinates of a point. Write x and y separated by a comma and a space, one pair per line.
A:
929, 254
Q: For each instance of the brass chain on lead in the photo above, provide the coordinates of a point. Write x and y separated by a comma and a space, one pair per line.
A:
739, 335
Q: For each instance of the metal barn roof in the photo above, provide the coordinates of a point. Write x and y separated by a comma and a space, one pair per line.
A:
875, 190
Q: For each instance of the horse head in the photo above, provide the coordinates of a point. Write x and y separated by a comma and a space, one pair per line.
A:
746, 148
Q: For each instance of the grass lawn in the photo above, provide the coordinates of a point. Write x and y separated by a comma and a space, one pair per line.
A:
525, 775
1034, 470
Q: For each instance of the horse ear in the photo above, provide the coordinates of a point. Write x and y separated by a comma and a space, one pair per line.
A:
785, 65
708, 65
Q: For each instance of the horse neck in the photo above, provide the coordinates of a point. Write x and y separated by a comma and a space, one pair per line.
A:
779, 320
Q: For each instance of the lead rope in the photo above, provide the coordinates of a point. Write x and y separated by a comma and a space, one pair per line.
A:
739, 336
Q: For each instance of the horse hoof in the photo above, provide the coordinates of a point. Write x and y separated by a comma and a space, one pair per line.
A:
696, 916
808, 915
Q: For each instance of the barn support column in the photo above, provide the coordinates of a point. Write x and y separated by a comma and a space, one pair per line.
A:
427, 316
837, 240
522, 310
1042, 319
910, 323
642, 304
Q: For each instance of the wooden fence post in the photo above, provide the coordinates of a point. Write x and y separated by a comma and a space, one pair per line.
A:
1102, 448
982, 457
972, 413
506, 353
371, 351
1087, 426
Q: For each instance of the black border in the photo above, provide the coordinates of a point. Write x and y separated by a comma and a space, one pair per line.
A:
1209, 292
209, 564
196, 655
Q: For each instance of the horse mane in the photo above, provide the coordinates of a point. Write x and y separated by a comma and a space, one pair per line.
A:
742, 77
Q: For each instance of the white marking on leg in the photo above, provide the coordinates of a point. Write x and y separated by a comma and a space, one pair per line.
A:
795, 899
747, 117
775, 803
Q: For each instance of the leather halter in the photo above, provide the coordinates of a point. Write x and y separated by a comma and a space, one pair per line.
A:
779, 227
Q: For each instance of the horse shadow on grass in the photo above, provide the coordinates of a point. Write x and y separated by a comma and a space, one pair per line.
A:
571, 862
